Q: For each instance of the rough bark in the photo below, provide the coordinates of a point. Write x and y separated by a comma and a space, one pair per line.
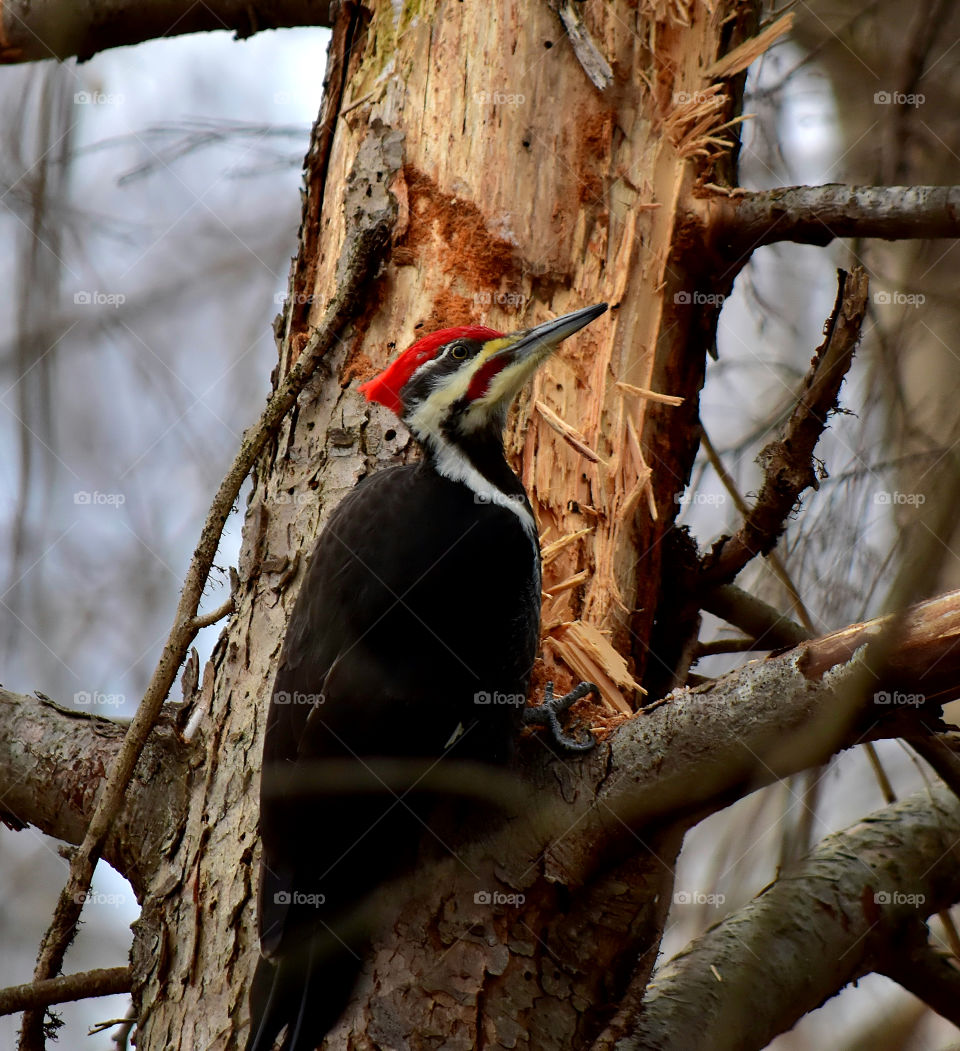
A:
507, 210
53, 762
743, 221
841, 914
589, 867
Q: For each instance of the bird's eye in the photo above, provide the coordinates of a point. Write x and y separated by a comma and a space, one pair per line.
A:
458, 352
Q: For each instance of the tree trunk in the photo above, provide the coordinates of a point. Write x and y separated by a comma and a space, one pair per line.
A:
519, 189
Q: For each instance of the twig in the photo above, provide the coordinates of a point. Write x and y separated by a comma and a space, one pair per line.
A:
759, 619
788, 462
775, 562
567, 432
741, 645
362, 258
926, 973
211, 618
941, 757
105, 981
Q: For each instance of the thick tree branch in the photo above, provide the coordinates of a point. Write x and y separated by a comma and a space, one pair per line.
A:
700, 749
372, 215
742, 222
32, 31
788, 461
105, 981
809, 934
52, 763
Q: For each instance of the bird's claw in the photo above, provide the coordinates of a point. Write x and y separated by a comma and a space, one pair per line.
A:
548, 713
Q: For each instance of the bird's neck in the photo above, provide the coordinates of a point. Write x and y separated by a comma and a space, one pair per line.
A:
479, 463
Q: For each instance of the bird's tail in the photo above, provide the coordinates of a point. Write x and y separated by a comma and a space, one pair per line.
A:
300, 992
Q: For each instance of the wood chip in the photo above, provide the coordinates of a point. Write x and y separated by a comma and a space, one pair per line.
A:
591, 656
649, 395
749, 51
569, 433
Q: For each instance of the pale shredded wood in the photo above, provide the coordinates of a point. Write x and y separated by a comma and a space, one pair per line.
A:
737, 60
649, 395
571, 582
591, 656
566, 431
550, 552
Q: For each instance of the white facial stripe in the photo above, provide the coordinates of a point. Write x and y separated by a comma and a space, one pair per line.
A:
504, 387
434, 409
452, 464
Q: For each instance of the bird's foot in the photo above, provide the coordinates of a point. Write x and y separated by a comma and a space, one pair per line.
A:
548, 713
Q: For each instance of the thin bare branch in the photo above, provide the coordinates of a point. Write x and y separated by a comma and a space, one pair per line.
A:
742, 222
788, 462
105, 981
373, 219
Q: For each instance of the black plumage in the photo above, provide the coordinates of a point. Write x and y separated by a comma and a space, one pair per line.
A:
413, 637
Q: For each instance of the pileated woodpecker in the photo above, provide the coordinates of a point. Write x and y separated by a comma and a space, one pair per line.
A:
418, 617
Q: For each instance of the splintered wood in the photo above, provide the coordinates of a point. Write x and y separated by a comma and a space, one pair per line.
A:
591, 656
694, 123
